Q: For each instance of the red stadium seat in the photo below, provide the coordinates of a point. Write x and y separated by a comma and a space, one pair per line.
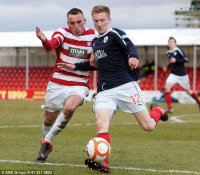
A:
14, 77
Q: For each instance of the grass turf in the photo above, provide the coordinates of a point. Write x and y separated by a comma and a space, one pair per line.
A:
171, 146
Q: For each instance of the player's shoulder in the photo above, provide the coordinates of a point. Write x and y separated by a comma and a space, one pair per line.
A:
89, 31
179, 50
61, 31
117, 31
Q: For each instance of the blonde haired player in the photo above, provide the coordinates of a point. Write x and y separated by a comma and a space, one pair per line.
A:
116, 58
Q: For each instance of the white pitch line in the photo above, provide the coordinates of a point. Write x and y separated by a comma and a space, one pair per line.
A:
75, 124
157, 170
117, 168
177, 119
20, 126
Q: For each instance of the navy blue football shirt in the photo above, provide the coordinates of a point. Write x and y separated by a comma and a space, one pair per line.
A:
177, 68
112, 51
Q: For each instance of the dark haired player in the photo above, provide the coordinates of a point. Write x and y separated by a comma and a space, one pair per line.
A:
177, 60
66, 89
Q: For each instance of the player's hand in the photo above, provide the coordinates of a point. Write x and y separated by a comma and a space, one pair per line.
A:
93, 61
133, 62
40, 34
66, 66
165, 68
172, 60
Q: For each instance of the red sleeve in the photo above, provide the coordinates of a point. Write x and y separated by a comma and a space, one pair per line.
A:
50, 44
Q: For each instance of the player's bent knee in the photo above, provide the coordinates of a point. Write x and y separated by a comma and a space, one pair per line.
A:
49, 120
69, 110
148, 127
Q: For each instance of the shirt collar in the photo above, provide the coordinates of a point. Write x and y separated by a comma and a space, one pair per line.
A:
105, 33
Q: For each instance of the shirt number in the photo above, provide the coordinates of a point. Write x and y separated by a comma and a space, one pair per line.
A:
135, 98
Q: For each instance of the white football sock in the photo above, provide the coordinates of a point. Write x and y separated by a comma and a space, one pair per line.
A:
57, 127
45, 130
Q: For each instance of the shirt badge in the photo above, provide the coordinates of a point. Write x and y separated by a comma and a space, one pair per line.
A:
105, 39
175, 53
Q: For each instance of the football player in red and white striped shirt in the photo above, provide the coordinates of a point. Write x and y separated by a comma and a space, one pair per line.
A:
67, 88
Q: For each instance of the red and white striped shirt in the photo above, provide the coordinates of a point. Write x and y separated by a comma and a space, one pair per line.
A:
70, 49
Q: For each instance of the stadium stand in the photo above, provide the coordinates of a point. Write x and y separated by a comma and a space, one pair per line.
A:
14, 78
23, 55
148, 84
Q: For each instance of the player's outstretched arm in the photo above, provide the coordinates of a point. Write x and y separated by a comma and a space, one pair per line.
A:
47, 44
93, 62
84, 66
66, 66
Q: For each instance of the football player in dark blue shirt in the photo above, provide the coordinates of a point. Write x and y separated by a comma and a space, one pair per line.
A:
178, 74
116, 59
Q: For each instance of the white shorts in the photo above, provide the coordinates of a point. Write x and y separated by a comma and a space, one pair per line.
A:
183, 81
127, 97
57, 94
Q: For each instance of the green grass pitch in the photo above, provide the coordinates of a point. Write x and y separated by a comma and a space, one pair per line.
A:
172, 148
